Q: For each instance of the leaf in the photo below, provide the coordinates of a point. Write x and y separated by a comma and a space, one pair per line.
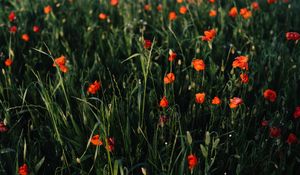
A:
189, 138
6, 150
204, 151
39, 165
116, 167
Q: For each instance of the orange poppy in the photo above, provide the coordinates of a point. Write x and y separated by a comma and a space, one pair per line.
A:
192, 161
159, 7
244, 78
164, 102
23, 170
147, 7
235, 102
271, 1
211, 1
25, 37
270, 95
61, 63
245, 13
102, 16
114, 2
212, 13
199, 98
95, 140
255, 6
169, 78
172, 16
240, 62
182, 10
233, 12
198, 64
209, 35
110, 144
8, 62
216, 101
172, 56
47, 9
94, 87
179, 1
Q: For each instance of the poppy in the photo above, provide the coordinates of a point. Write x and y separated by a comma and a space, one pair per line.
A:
271, 1
182, 10
244, 78
275, 132
11, 16
255, 5
23, 170
270, 95
147, 7
240, 62
110, 144
102, 16
235, 102
25, 37
147, 44
212, 13
297, 112
200, 98
245, 13
233, 12
13, 29
163, 120
292, 36
8, 62
95, 140
179, 1
264, 123
114, 2
35, 29
164, 102
47, 9
3, 128
172, 56
159, 7
94, 87
172, 16
198, 64
169, 78
209, 35
61, 63
216, 101
192, 161
211, 1
292, 138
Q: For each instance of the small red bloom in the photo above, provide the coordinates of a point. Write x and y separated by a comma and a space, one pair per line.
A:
164, 102
110, 144
47, 9
147, 44
11, 16
93, 88
61, 63
292, 36
35, 29
96, 140
183, 10
271, 1
192, 161
275, 132
270, 95
211, 1
235, 102
244, 78
292, 138
216, 101
3, 128
102, 16
159, 7
163, 120
114, 2
200, 98
25, 37
264, 123
23, 170
255, 6
13, 29
172, 16
198, 64
240, 62
233, 12
209, 35
172, 56
297, 112
169, 78
8, 62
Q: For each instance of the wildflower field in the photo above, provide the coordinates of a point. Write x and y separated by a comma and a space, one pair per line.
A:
144, 87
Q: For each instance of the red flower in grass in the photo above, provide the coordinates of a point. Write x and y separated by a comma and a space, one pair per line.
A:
110, 144
102, 16
94, 87
11, 16
147, 44
182, 10
3, 128
255, 6
13, 29
8, 62
297, 112
233, 12
47, 9
25, 37
216, 101
172, 16
209, 35
172, 56
271, 1
35, 29
61, 63
270, 95
292, 36
240, 62
164, 102
198, 64
95, 140
235, 102
292, 138
244, 78
245, 13
163, 120
169, 78
192, 161
23, 170
264, 123
114, 2
200, 98
275, 132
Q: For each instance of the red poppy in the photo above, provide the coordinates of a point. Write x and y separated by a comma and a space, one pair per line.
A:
147, 7
271, 1
61, 63
13, 29
209, 35
245, 13
292, 36
172, 16
211, 1
264, 123
244, 78
8, 62
11, 16
164, 102
235, 102
216, 101
172, 56
114, 2
147, 44
23, 170
169, 78
212, 13
297, 112
192, 161
233, 12
94, 87
200, 98
270, 95
292, 138
102, 16
95, 140
36, 29
110, 144
47, 9
275, 132
159, 7
182, 10
163, 120
198, 64
3, 128
240, 62
25, 37
255, 5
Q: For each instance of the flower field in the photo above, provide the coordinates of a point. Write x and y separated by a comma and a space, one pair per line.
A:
165, 87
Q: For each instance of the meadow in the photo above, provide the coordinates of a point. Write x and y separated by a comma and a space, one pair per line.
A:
165, 87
